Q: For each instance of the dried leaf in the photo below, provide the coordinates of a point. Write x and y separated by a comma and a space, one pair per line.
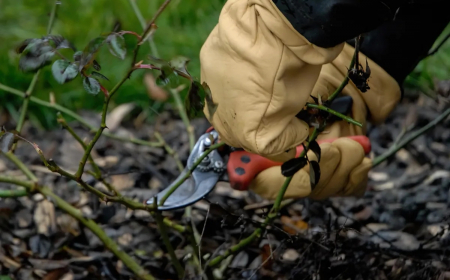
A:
314, 146
154, 92
314, 173
290, 167
116, 116
63, 71
91, 85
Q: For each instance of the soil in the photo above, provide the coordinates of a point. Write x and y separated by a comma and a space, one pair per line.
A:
398, 230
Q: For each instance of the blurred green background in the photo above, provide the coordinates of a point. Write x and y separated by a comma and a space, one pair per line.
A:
182, 29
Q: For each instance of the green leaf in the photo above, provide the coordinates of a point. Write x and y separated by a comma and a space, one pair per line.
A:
167, 77
6, 141
290, 167
212, 107
96, 65
77, 56
195, 100
314, 173
91, 85
64, 71
5, 277
59, 42
36, 54
90, 52
157, 61
116, 45
99, 75
180, 63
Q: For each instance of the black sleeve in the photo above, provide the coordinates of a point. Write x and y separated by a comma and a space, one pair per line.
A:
327, 23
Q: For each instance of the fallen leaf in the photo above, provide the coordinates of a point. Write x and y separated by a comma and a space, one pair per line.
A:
116, 116
44, 217
154, 91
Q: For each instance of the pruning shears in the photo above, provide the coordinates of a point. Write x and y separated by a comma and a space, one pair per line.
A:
236, 166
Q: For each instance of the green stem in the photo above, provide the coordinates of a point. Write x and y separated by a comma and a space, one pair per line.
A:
52, 17
13, 193
189, 173
99, 132
184, 117
345, 81
12, 157
141, 20
326, 109
270, 217
64, 124
410, 138
165, 237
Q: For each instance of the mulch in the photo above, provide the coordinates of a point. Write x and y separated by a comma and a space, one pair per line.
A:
398, 230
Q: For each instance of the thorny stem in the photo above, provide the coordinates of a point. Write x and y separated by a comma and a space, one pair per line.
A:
141, 19
189, 172
97, 172
326, 109
270, 217
392, 150
75, 213
345, 81
147, 29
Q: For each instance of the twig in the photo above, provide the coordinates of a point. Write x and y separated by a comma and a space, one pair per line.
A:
345, 81
13, 193
97, 172
410, 138
141, 19
189, 172
52, 16
12, 157
170, 151
165, 237
77, 117
147, 29
326, 109
270, 217
90, 224
184, 117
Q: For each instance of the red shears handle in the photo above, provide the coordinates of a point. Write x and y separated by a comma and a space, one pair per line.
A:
243, 166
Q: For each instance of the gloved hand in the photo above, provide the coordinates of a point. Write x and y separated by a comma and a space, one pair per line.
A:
261, 73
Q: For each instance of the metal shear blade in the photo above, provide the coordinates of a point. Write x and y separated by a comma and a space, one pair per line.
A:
200, 183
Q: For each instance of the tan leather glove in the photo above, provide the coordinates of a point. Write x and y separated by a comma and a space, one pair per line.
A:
261, 73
